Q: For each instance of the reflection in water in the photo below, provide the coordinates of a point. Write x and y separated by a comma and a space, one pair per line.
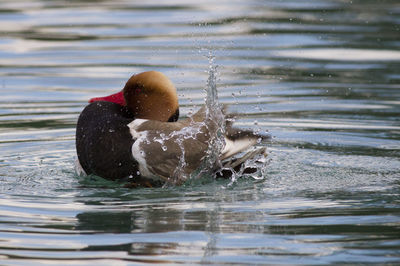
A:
186, 226
321, 76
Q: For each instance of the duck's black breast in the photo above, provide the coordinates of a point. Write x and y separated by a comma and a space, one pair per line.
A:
103, 141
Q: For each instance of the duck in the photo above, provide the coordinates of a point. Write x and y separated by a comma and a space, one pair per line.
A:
135, 135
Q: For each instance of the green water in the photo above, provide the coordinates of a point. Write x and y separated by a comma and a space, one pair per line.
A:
321, 76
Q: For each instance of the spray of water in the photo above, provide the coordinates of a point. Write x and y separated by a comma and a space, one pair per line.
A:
214, 125
215, 118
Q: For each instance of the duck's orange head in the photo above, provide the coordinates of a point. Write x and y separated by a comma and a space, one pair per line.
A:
149, 95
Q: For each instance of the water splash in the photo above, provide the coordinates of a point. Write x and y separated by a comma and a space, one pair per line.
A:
214, 109
258, 165
214, 121
211, 122
179, 174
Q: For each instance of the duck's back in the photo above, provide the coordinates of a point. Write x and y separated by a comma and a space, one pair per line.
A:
103, 141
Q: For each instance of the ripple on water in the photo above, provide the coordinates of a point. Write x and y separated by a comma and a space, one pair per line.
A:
361, 55
321, 76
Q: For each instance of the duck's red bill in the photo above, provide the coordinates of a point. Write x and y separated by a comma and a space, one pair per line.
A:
117, 98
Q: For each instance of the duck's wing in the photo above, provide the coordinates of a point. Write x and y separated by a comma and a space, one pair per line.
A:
169, 151
236, 139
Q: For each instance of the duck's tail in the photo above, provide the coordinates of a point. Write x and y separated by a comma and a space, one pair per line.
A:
238, 140
237, 165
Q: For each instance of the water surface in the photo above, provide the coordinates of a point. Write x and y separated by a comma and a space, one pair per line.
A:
321, 76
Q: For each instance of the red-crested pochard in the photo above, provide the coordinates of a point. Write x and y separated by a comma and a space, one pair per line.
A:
135, 134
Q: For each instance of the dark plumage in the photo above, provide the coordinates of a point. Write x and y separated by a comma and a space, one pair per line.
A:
103, 141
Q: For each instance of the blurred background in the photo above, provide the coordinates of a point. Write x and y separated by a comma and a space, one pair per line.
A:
321, 76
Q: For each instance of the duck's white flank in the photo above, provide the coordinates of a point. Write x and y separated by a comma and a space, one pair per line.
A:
235, 146
137, 153
134, 125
